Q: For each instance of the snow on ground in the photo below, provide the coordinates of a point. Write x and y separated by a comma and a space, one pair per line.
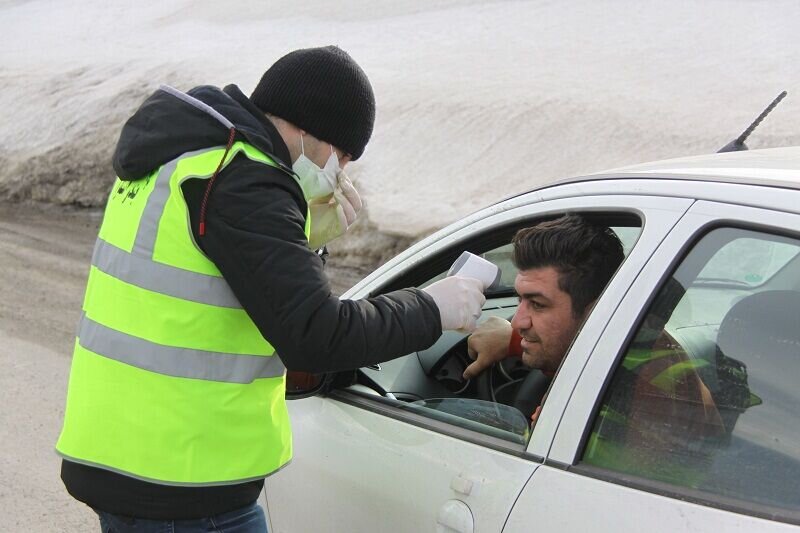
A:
476, 100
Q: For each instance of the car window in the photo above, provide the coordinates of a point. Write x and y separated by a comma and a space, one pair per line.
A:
430, 382
706, 395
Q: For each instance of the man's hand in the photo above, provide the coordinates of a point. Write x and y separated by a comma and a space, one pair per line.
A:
488, 345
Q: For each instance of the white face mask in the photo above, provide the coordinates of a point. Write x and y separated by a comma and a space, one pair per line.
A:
316, 183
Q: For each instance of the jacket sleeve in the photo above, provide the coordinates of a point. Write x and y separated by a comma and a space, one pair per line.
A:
254, 234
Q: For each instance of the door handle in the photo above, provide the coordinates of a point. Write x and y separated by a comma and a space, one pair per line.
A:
455, 516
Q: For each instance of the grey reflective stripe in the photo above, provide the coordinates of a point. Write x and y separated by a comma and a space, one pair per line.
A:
170, 483
148, 225
194, 102
145, 240
177, 362
164, 279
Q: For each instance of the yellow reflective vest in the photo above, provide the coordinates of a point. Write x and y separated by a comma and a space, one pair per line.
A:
171, 381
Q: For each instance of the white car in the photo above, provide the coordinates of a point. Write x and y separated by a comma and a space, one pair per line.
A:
712, 260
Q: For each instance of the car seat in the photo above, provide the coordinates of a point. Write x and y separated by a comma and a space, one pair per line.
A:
759, 326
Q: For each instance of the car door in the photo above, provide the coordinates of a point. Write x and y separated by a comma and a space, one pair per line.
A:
713, 447
363, 463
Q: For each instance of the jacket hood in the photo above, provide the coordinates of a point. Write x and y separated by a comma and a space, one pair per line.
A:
170, 123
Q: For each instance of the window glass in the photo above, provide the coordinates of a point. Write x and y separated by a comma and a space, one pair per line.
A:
502, 257
748, 260
706, 395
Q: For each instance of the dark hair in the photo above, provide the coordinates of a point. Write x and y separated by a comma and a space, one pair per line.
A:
585, 255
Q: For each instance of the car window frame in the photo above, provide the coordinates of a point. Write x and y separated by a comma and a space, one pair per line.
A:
702, 218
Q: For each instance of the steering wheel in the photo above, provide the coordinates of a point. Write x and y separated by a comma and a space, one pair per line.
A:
527, 397
449, 369
531, 391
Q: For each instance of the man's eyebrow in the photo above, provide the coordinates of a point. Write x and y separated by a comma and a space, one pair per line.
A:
531, 295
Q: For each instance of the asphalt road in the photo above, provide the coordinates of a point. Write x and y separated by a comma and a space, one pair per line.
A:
44, 262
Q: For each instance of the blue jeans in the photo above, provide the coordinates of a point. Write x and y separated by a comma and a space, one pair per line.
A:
248, 519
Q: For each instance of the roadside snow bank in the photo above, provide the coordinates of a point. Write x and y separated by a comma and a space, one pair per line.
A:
476, 100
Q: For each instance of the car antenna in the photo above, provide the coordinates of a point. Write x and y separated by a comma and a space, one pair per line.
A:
737, 145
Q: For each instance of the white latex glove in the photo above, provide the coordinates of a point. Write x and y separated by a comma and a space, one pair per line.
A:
488, 345
348, 198
459, 300
328, 222
332, 219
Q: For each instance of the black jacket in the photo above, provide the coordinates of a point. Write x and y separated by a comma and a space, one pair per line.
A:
254, 235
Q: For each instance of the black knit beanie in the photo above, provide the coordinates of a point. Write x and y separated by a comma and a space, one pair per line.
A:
323, 91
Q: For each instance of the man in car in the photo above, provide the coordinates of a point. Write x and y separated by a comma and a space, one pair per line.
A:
564, 264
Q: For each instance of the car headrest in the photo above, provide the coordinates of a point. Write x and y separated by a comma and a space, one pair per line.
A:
762, 324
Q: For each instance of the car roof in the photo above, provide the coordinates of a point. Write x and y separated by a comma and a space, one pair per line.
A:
776, 167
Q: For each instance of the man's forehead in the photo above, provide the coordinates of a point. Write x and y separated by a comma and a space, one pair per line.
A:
542, 280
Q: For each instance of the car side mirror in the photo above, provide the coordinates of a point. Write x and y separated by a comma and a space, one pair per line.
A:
303, 384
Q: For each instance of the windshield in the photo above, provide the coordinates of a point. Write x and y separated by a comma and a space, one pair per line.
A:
748, 261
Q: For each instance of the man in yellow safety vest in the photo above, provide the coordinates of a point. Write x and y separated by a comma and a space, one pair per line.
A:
205, 287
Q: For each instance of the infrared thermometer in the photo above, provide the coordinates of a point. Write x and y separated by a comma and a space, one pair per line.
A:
472, 266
